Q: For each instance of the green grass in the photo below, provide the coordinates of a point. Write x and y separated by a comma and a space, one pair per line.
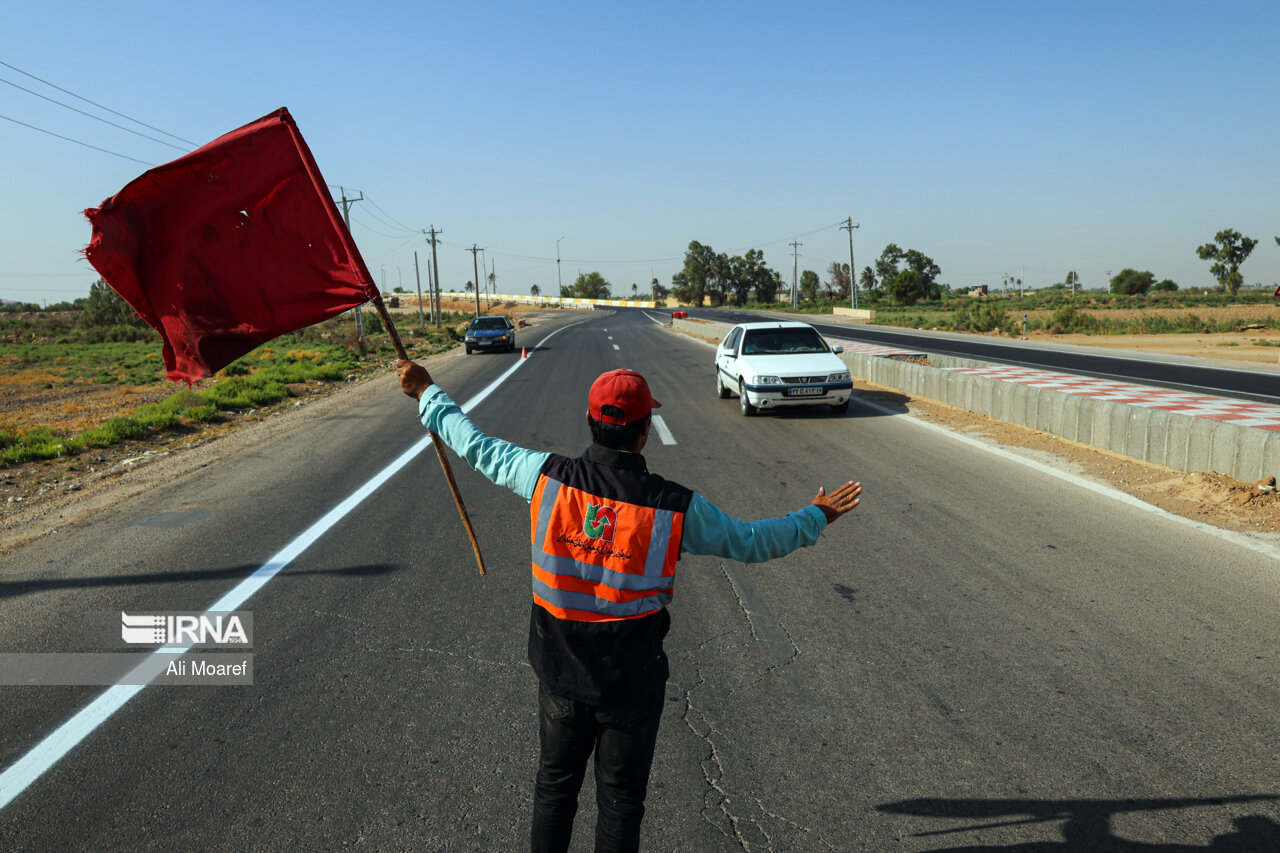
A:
324, 353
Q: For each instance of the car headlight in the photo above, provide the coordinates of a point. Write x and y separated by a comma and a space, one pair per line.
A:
768, 380
838, 377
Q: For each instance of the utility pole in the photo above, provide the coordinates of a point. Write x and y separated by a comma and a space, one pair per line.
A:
435, 270
418, 277
559, 283
853, 270
794, 261
346, 217
475, 271
1021, 280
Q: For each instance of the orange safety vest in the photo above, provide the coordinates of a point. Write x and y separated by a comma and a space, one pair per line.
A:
597, 557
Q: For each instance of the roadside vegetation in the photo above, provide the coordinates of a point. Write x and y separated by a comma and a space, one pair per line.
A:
903, 287
98, 343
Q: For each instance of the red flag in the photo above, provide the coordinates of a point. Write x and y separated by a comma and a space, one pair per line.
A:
229, 246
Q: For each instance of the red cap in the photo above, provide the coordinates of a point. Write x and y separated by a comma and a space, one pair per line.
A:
625, 389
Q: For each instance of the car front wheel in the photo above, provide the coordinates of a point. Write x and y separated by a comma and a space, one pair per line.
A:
747, 409
721, 391
839, 408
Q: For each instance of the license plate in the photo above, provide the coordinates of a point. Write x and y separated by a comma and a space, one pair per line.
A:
804, 392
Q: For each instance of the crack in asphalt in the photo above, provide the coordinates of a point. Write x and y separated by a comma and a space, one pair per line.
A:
780, 652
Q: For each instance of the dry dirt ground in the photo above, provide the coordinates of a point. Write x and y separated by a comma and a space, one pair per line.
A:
38, 498
1261, 346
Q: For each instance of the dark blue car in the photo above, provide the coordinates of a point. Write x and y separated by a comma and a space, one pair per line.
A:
494, 333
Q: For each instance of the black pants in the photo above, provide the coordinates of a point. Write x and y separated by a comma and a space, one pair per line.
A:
623, 741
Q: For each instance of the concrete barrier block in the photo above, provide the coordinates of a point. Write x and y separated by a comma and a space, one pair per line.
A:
1119, 429
984, 396
935, 383
971, 395
1135, 439
1200, 444
1058, 413
1033, 406
1175, 445
1158, 425
1068, 425
956, 388
1101, 430
1044, 410
1012, 401
1271, 455
1084, 419
1226, 440
1250, 449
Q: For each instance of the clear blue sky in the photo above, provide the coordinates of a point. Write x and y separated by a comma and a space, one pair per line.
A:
1088, 136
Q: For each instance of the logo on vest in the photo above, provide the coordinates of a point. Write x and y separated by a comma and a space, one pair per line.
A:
600, 522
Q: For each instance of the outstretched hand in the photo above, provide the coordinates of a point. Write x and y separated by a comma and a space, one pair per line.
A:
838, 502
414, 378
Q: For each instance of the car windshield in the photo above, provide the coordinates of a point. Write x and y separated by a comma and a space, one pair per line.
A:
489, 323
784, 341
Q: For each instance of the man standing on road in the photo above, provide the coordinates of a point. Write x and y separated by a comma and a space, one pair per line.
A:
606, 535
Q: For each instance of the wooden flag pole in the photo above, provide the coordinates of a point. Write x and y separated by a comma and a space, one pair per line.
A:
435, 439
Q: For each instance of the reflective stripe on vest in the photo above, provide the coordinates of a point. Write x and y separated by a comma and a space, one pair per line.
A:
600, 559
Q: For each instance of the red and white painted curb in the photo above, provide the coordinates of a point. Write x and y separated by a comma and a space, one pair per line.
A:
1243, 413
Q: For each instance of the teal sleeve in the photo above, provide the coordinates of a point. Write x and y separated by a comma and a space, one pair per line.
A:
708, 530
506, 464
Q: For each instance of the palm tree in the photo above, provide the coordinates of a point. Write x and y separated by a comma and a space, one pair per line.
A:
534, 290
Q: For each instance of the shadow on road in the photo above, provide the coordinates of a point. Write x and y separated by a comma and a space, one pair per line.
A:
1086, 824
13, 589
897, 403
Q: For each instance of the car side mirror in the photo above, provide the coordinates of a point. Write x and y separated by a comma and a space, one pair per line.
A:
837, 349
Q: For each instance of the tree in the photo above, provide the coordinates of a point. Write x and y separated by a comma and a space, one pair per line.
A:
635, 290
470, 287
838, 280
1132, 282
910, 285
887, 263
1167, 286
809, 282
657, 291
534, 290
104, 307
1228, 251
699, 261
748, 274
868, 279
589, 285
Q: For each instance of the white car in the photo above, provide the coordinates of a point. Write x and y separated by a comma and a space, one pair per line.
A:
776, 364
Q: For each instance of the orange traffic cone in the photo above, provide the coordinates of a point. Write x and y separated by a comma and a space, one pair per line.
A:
524, 352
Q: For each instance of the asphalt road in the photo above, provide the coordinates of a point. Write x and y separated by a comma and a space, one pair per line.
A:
981, 656
1180, 374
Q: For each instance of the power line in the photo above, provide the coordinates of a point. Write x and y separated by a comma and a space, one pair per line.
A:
376, 231
394, 221
99, 106
90, 115
76, 141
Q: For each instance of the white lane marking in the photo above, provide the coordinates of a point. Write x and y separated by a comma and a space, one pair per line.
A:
615, 346
1106, 491
651, 317
663, 433
48, 752
610, 337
